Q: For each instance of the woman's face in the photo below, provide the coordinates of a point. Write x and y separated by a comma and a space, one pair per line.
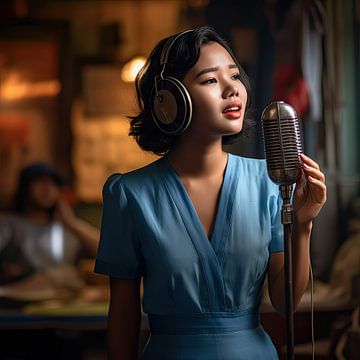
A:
44, 193
218, 96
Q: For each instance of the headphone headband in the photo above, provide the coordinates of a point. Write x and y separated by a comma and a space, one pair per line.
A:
166, 49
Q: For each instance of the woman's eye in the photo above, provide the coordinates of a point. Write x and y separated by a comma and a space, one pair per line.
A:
236, 76
209, 81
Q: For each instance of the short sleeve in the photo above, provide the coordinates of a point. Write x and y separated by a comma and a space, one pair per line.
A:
277, 228
119, 254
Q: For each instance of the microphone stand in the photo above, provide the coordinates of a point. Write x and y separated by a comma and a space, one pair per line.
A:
287, 220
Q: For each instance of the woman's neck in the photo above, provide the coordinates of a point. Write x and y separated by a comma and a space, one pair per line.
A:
198, 158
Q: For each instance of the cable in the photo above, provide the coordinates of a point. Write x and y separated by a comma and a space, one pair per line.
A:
312, 312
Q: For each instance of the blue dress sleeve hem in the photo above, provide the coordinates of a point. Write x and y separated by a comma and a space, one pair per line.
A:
104, 268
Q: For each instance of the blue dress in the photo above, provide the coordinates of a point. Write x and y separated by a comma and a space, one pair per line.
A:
202, 295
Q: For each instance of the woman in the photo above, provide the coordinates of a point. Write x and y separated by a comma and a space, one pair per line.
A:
43, 232
200, 226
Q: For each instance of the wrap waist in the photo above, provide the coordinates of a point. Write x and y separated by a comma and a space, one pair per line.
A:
203, 323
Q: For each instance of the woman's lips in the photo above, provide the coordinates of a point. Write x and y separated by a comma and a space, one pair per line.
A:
232, 114
232, 110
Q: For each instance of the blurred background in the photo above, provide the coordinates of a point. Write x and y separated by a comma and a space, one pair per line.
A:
67, 73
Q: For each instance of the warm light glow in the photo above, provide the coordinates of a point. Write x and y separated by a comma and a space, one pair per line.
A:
131, 68
198, 3
14, 87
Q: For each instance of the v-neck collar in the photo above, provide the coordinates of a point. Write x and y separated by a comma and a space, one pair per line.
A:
191, 207
209, 252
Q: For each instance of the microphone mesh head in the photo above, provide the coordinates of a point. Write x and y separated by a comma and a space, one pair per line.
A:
282, 143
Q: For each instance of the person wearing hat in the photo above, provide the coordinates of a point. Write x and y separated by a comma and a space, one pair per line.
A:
44, 231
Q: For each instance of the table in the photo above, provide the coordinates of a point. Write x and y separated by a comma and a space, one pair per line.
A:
64, 331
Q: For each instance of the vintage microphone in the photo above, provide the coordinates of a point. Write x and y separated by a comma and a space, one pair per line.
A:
282, 142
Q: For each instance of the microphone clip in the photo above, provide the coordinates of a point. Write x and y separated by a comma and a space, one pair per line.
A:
287, 213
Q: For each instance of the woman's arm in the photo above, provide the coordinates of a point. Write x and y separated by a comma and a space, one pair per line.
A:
308, 201
87, 234
124, 319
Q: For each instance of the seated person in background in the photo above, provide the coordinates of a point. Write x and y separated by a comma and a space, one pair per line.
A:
44, 232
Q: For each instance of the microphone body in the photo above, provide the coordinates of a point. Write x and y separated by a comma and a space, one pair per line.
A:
282, 143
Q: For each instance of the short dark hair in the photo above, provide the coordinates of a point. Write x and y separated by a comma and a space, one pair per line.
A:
29, 174
183, 55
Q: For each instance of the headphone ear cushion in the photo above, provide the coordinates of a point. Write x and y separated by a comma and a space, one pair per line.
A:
171, 106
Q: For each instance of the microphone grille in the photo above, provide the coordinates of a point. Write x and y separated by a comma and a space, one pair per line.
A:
282, 142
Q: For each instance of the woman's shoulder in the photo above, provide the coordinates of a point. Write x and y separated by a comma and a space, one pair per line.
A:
10, 217
250, 164
135, 178
254, 172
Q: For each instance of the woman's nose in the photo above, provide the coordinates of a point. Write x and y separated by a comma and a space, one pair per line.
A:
231, 90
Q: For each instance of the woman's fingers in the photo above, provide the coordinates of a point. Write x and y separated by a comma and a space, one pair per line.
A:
318, 189
314, 172
309, 161
312, 168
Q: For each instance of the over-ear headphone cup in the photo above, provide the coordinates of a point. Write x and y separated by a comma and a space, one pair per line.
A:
171, 106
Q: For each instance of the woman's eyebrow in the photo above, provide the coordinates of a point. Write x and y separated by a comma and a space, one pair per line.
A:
213, 69
206, 70
234, 66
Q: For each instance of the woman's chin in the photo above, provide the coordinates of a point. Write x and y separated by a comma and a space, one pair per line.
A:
233, 130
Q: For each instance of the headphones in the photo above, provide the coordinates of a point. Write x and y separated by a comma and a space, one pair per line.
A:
171, 105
